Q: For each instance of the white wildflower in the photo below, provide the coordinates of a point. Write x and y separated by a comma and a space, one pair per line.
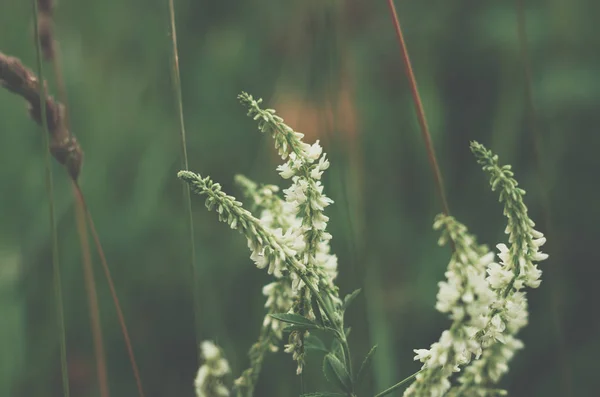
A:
209, 380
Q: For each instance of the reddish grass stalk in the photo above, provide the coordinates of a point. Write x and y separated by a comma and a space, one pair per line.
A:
45, 110
85, 213
50, 49
419, 110
90, 286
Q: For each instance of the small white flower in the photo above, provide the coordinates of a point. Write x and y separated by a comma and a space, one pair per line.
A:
498, 277
422, 355
314, 152
285, 170
208, 382
209, 350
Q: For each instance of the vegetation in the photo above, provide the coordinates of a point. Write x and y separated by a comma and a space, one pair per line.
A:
128, 315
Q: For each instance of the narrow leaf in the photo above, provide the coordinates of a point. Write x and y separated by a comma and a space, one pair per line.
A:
323, 394
365, 366
296, 319
348, 299
336, 373
313, 342
337, 350
296, 327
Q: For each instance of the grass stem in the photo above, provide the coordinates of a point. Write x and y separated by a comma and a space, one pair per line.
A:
397, 385
186, 190
419, 110
51, 208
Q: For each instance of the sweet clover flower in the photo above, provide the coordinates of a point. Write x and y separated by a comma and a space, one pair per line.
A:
485, 299
304, 166
209, 380
466, 297
274, 214
288, 239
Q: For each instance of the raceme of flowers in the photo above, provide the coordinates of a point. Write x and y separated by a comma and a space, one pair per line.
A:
209, 380
484, 299
288, 239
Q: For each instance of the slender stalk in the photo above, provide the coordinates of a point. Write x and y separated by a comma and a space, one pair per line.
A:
186, 189
397, 385
419, 110
90, 286
111, 286
53, 232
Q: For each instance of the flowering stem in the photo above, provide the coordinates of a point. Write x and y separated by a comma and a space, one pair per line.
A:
398, 385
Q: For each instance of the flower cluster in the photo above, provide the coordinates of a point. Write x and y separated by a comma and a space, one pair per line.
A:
288, 239
485, 299
466, 297
270, 249
209, 380
478, 379
517, 267
305, 203
274, 214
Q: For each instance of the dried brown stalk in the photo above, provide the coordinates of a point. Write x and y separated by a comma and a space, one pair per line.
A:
46, 28
18, 79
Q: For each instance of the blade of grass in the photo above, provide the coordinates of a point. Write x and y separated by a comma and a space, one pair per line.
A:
53, 231
419, 110
184, 158
397, 385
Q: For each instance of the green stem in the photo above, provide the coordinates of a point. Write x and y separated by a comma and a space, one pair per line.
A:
346, 348
398, 385
50, 190
184, 158
341, 335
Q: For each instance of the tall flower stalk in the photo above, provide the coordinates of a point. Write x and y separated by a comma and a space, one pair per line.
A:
486, 300
290, 241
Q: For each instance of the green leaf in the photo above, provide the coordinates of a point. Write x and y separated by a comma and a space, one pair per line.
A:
313, 342
299, 328
323, 394
336, 373
295, 319
337, 350
365, 366
348, 299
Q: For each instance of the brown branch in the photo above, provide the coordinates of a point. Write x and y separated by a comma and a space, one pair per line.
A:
15, 77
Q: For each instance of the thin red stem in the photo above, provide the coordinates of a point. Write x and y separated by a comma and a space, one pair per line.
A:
419, 110
113, 291
90, 285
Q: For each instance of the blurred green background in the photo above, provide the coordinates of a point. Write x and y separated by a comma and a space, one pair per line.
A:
333, 70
